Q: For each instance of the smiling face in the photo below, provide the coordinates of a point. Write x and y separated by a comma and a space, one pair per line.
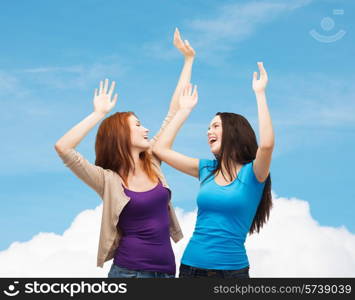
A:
214, 135
139, 134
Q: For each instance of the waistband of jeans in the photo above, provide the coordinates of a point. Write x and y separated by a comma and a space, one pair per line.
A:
155, 273
211, 271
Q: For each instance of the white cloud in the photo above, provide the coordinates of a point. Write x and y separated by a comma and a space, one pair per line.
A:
292, 244
76, 76
23, 83
160, 50
7, 82
10, 87
332, 106
232, 23
72, 254
71, 69
237, 21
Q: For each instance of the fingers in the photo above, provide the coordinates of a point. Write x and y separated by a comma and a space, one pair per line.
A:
101, 87
113, 84
180, 44
187, 90
262, 69
114, 100
195, 93
177, 33
261, 66
177, 38
187, 45
106, 86
184, 90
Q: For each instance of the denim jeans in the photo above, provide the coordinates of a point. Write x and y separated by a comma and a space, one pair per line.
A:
192, 272
119, 272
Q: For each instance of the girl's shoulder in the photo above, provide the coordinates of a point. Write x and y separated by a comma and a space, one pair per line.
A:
248, 174
207, 163
206, 166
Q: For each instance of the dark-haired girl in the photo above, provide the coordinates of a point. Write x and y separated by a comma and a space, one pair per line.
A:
235, 188
138, 217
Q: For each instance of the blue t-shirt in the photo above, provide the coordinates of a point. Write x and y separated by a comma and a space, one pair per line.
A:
225, 215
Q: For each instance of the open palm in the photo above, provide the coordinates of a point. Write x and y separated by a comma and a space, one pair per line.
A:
102, 97
183, 46
188, 98
260, 84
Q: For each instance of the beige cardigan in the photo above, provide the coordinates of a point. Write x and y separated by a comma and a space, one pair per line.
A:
108, 185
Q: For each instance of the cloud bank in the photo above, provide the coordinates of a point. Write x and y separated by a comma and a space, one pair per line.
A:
230, 24
291, 244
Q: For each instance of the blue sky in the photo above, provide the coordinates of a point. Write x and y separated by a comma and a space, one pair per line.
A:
53, 54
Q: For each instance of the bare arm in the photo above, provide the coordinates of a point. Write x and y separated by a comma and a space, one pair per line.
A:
102, 105
266, 144
184, 79
76, 134
91, 174
189, 55
162, 147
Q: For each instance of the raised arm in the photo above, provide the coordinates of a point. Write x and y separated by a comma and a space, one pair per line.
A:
162, 147
185, 77
266, 133
102, 106
89, 173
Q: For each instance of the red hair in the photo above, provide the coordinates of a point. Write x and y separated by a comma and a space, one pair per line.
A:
113, 147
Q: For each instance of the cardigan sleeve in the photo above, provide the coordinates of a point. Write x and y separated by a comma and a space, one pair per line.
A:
92, 175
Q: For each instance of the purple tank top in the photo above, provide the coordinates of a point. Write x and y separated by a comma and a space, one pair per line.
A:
144, 223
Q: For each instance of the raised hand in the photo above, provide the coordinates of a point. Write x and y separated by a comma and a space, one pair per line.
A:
102, 97
188, 98
259, 85
183, 46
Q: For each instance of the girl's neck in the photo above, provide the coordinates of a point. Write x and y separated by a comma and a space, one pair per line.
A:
138, 166
235, 167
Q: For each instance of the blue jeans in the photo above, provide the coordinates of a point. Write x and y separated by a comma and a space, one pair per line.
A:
192, 272
119, 272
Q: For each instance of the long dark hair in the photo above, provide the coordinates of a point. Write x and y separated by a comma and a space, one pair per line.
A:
113, 144
239, 145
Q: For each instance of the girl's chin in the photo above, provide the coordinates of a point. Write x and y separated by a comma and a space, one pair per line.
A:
146, 146
143, 146
214, 149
